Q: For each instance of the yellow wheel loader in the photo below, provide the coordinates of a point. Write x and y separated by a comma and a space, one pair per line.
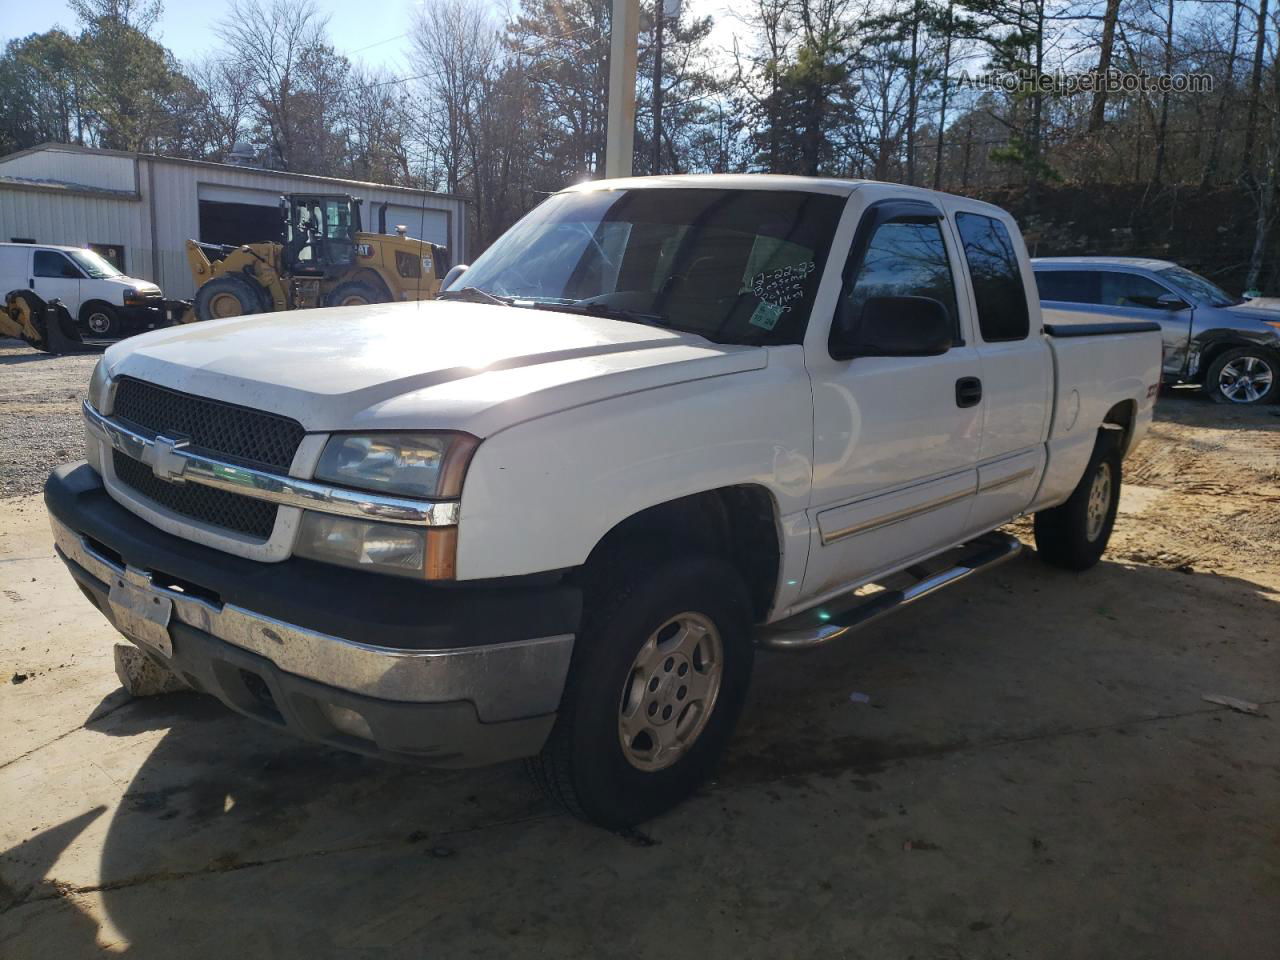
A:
322, 259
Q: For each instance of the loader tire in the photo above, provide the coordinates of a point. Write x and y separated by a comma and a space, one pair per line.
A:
227, 297
26, 312
353, 294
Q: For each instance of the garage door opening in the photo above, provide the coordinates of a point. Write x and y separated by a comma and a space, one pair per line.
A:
238, 223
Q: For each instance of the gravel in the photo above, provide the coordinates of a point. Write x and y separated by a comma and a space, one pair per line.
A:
40, 425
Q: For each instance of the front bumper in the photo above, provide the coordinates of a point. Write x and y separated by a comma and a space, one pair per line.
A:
146, 317
469, 689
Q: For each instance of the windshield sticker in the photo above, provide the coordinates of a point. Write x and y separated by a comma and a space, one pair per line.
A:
766, 315
782, 286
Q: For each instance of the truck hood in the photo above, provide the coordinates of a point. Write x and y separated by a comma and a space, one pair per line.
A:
439, 365
142, 286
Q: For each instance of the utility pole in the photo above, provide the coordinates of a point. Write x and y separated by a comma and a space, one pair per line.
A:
659, 14
621, 128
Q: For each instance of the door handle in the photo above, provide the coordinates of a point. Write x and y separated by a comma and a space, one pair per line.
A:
968, 392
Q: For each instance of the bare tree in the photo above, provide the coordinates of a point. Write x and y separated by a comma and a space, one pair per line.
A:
269, 42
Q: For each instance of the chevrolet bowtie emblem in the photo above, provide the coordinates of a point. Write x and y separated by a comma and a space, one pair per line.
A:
164, 460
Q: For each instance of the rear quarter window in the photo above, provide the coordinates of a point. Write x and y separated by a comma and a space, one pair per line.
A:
997, 278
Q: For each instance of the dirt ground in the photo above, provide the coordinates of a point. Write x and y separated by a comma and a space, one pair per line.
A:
1036, 774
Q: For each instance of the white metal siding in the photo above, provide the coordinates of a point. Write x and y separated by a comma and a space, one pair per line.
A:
180, 186
103, 170
48, 216
424, 224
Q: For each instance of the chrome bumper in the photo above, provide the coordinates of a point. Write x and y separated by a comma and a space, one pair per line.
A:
506, 681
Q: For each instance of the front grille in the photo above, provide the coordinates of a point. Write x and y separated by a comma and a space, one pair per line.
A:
223, 430
254, 518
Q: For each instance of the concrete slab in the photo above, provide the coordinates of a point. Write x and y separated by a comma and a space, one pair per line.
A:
1034, 775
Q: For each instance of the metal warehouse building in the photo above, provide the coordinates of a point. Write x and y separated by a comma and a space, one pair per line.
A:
138, 210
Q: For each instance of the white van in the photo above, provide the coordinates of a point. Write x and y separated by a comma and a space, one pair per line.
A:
104, 302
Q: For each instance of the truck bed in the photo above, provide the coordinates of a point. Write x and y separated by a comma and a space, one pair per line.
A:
1098, 367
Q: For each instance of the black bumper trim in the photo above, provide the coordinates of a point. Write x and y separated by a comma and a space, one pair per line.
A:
362, 607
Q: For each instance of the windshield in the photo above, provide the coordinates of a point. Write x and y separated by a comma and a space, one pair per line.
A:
736, 266
96, 266
1197, 288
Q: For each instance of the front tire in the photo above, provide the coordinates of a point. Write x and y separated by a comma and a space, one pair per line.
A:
100, 320
660, 673
227, 296
1074, 535
1244, 375
351, 294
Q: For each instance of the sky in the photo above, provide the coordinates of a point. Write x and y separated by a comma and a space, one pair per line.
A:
372, 31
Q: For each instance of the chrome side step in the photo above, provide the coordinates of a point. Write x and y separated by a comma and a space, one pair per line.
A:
832, 620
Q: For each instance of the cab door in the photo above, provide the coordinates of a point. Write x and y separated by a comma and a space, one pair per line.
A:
896, 439
1017, 367
54, 276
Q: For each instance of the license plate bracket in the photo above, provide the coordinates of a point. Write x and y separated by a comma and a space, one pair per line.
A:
141, 612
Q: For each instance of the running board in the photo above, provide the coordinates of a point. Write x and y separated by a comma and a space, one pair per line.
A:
836, 618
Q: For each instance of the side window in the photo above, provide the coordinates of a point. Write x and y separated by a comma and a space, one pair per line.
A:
1068, 286
1131, 290
408, 264
997, 280
906, 257
50, 263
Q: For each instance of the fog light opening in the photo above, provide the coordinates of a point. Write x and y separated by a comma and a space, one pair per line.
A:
347, 721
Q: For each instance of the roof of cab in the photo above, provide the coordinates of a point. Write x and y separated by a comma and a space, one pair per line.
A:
1140, 263
41, 246
761, 181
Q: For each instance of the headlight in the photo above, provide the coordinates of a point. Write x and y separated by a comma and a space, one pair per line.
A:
429, 465
100, 387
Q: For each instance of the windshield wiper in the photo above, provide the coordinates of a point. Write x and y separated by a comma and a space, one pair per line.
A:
601, 310
474, 295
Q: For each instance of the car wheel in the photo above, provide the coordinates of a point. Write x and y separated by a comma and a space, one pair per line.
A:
660, 673
353, 294
1243, 375
1075, 534
227, 296
100, 320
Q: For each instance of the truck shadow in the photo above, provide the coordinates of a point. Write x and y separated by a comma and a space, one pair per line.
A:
1024, 653
1188, 406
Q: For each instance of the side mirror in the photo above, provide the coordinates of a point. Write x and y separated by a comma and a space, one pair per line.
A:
893, 327
1171, 301
457, 270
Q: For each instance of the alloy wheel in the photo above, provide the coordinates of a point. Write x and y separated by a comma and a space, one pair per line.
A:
1099, 502
670, 691
1245, 379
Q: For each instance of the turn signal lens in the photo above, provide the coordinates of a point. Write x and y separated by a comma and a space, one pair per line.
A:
423, 552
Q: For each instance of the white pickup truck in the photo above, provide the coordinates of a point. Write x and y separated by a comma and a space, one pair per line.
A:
550, 515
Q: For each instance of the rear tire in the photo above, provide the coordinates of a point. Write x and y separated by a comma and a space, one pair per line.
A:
353, 293
227, 296
1074, 535
644, 674
1243, 375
